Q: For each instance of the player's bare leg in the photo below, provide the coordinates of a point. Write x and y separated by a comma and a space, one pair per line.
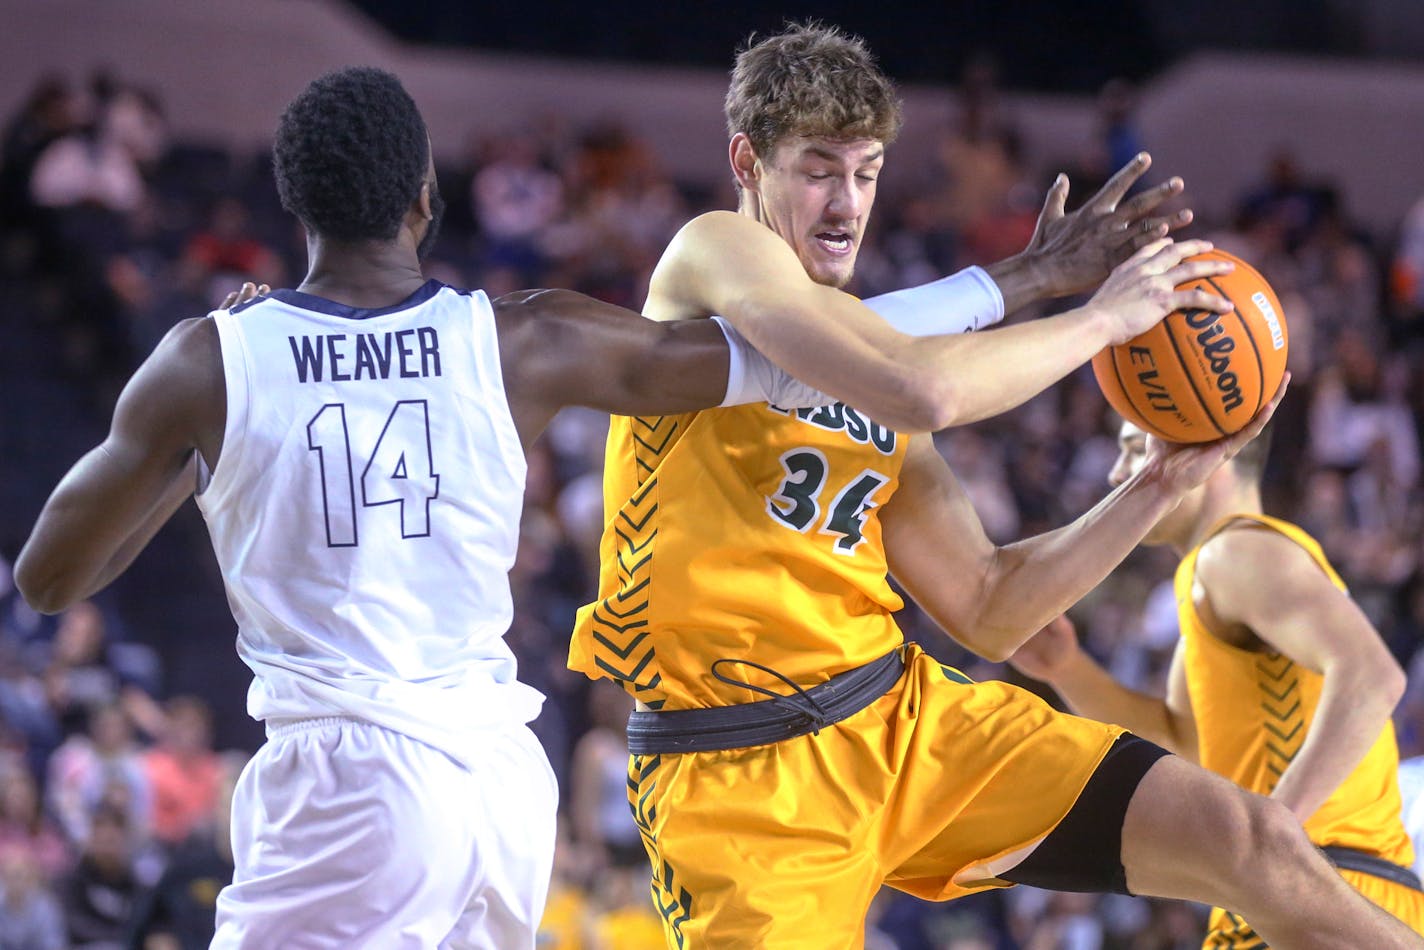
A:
1194, 835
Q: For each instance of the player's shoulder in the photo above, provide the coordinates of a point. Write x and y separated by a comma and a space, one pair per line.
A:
1250, 559
721, 229
195, 338
535, 306
540, 321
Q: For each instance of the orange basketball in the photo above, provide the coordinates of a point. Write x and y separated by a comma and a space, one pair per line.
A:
1199, 375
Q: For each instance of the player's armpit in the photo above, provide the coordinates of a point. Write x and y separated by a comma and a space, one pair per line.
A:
116, 497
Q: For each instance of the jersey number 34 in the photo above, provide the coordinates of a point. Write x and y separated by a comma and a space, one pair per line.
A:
797, 502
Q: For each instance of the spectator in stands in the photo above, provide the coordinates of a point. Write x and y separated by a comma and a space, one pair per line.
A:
50, 112
98, 896
228, 253
80, 671
183, 770
130, 117
1285, 197
24, 709
1406, 282
1354, 412
602, 824
25, 829
30, 917
103, 762
515, 199
178, 913
87, 168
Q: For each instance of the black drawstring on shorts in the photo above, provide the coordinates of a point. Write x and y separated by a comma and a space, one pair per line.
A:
799, 701
779, 717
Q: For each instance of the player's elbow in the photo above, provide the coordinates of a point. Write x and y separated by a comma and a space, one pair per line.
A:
44, 587
935, 400
993, 650
942, 405
924, 402
1391, 683
993, 644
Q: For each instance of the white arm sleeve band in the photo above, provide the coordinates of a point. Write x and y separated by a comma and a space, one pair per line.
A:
752, 377
967, 300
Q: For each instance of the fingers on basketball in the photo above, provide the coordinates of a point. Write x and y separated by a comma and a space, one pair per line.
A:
1205, 372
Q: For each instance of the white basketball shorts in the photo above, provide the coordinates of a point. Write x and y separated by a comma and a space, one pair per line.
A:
347, 835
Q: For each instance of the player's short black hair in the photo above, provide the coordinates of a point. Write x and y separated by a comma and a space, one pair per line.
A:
350, 155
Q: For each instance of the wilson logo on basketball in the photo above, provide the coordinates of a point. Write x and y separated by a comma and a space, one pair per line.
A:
1200, 375
1217, 348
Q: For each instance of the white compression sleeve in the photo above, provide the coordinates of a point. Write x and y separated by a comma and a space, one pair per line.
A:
752, 377
966, 300
963, 301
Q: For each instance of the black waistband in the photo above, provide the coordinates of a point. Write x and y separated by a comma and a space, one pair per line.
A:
1348, 859
805, 711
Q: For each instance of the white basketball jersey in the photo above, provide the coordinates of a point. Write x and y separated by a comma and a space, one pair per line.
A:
365, 512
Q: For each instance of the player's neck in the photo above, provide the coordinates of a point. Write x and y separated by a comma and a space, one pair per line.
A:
363, 274
1239, 500
749, 204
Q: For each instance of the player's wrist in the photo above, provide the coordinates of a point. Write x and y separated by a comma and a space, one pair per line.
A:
1023, 279
1097, 324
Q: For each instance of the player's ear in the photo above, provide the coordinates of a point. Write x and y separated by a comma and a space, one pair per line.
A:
745, 165
422, 201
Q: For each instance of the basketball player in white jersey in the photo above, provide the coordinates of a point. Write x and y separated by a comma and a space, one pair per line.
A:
358, 449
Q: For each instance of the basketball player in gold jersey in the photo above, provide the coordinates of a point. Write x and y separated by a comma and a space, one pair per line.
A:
791, 753
1278, 682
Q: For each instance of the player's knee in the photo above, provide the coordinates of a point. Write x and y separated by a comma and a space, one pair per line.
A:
1264, 834
1276, 833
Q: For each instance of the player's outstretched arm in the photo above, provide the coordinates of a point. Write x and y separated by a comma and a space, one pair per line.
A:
1054, 656
115, 498
725, 263
1068, 253
1264, 581
1073, 253
1001, 595
561, 348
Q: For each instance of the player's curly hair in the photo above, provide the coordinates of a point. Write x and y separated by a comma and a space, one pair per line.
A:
810, 79
351, 153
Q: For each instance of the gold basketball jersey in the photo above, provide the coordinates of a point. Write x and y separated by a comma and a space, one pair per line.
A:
749, 533
1254, 710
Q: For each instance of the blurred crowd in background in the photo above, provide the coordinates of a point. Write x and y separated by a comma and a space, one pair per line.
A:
113, 797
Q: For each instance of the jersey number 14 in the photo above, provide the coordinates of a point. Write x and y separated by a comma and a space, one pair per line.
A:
399, 470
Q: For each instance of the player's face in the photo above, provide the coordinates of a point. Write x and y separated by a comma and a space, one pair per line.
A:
1131, 456
817, 194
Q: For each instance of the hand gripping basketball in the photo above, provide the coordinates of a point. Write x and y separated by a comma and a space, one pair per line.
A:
1203, 372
